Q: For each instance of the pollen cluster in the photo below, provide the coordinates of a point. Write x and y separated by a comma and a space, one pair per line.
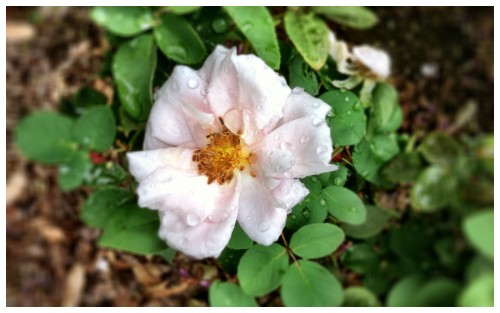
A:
223, 154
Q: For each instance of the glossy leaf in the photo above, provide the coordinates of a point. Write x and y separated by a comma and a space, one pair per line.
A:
46, 137
308, 284
348, 119
479, 230
478, 293
440, 148
344, 204
96, 128
133, 68
178, 40
133, 229
228, 295
181, 10
309, 34
301, 75
361, 258
358, 296
370, 155
432, 189
72, 173
239, 239
123, 21
102, 204
376, 219
402, 294
386, 114
355, 17
316, 240
258, 27
310, 210
261, 269
438, 292
403, 168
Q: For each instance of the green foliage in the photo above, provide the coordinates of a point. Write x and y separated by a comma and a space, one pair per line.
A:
96, 129
316, 240
309, 284
403, 168
228, 295
72, 173
478, 228
355, 17
478, 293
344, 204
183, 10
432, 189
239, 239
134, 83
360, 297
46, 137
102, 204
309, 34
439, 148
261, 269
376, 218
301, 75
133, 229
123, 21
257, 25
386, 112
178, 40
347, 119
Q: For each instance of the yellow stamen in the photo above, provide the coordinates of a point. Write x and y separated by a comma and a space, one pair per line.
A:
224, 153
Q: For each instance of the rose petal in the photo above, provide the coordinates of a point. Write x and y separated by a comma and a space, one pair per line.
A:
143, 163
180, 94
259, 214
290, 192
204, 240
378, 61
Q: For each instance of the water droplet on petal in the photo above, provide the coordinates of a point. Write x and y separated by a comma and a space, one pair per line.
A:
286, 146
184, 241
246, 116
298, 90
210, 218
279, 168
321, 150
193, 83
204, 91
264, 226
322, 202
304, 139
277, 137
317, 121
233, 207
192, 219
315, 105
338, 181
270, 153
249, 218
260, 107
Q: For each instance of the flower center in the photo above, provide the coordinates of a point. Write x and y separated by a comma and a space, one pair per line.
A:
223, 154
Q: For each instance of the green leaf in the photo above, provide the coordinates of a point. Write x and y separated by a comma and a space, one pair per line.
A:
479, 230
133, 68
310, 210
167, 254
440, 148
133, 229
438, 292
348, 119
370, 155
87, 98
358, 296
316, 240
229, 260
402, 294
344, 204
376, 219
258, 27
361, 258
46, 137
102, 204
403, 168
72, 173
123, 21
183, 10
178, 40
432, 190
239, 239
229, 295
355, 17
96, 128
309, 34
301, 75
339, 177
261, 269
385, 108
478, 293
309, 284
